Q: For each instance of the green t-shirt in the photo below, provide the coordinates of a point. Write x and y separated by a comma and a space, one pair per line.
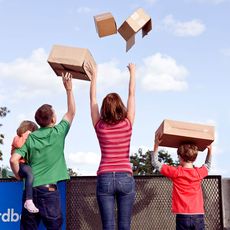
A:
44, 151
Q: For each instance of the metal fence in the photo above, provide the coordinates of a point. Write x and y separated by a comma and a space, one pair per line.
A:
152, 208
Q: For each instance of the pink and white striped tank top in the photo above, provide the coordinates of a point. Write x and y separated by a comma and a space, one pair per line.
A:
114, 142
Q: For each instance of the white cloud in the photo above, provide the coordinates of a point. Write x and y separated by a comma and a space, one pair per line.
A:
89, 158
29, 77
162, 73
183, 29
33, 77
110, 75
217, 171
84, 163
84, 172
159, 72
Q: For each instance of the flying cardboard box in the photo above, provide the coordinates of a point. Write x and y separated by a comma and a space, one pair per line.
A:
137, 21
71, 59
105, 24
173, 133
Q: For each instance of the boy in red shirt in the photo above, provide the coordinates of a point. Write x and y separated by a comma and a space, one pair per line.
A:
187, 196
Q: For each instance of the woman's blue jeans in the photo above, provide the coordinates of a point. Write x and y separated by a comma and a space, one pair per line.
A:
190, 222
119, 187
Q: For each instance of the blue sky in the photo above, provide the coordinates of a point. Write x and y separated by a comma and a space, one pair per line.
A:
182, 69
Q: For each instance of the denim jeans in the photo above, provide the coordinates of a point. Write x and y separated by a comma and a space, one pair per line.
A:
120, 188
190, 222
25, 171
49, 205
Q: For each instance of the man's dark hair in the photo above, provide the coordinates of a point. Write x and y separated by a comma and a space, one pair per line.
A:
44, 115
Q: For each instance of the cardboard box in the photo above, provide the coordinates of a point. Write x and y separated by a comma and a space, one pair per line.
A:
105, 24
137, 21
176, 132
71, 59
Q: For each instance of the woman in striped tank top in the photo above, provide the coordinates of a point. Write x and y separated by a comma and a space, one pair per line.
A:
113, 126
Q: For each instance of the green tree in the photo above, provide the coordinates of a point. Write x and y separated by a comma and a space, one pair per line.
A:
6, 172
165, 157
71, 172
141, 162
3, 113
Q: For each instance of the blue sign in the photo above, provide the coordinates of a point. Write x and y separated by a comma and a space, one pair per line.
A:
11, 204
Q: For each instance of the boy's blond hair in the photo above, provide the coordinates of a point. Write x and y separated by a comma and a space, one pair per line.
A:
188, 152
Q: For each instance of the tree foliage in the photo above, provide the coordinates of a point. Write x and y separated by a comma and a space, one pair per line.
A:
3, 113
141, 161
5, 172
71, 172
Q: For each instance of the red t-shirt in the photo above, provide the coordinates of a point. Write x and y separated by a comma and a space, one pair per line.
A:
187, 196
18, 142
114, 142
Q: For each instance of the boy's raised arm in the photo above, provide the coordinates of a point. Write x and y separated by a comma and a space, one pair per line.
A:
155, 162
208, 159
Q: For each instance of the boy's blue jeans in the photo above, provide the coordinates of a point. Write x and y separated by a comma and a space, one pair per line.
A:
119, 187
190, 222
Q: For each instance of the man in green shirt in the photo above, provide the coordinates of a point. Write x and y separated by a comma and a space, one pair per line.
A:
44, 151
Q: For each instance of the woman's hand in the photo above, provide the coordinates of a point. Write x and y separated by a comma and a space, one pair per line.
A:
91, 69
132, 68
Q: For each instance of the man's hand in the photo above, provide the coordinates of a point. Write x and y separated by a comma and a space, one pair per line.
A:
67, 81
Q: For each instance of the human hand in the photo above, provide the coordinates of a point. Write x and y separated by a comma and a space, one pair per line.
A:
158, 139
132, 68
67, 80
91, 69
209, 148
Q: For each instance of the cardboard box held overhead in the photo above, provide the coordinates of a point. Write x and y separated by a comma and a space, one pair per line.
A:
137, 21
105, 24
71, 59
173, 133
